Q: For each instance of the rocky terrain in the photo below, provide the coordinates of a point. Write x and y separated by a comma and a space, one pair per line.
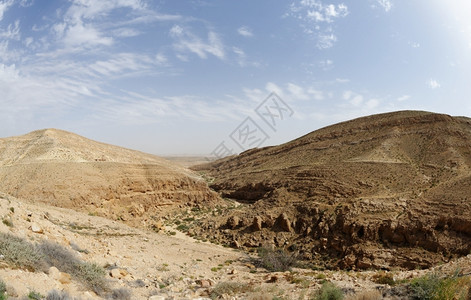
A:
386, 193
380, 192
143, 264
66, 170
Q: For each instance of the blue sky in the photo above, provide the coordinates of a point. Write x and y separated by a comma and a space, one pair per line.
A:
179, 77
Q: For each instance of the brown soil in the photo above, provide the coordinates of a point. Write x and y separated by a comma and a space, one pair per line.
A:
300, 206
389, 190
66, 170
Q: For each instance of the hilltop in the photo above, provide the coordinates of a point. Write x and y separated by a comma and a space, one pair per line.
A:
63, 169
53, 239
383, 191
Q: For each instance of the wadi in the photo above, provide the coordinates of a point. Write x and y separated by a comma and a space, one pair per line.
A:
372, 208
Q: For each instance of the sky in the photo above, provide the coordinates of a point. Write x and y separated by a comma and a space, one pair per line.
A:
211, 78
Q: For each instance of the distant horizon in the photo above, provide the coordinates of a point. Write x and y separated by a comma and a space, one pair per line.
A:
209, 156
197, 76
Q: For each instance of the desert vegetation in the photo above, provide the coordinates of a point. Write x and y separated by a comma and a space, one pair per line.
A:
22, 254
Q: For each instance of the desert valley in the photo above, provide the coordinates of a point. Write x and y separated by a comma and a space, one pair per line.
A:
373, 208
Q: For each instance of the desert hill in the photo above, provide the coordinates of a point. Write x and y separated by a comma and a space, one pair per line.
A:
63, 169
388, 190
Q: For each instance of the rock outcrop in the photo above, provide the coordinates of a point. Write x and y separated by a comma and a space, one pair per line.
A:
389, 190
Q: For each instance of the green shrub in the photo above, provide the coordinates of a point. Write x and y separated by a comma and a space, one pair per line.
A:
384, 278
183, 227
328, 291
58, 256
432, 287
8, 222
120, 294
366, 295
229, 288
90, 275
20, 253
56, 295
3, 290
424, 288
276, 260
35, 295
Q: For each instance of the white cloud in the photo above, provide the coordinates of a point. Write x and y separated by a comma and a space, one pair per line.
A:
316, 19
12, 32
372, 103
241, 57
272, 87
161, 59
326, 64
176, 31
189, 42
403, 98
255, 95
297, 92
4, 6
85, 35
182, 57
126, 32
326, 41
245, 31
28, 41
123, 63
79, 27
318, 95
357, 100
92, 9
433, 84
319, 12
385, 4
8, 73
347, 95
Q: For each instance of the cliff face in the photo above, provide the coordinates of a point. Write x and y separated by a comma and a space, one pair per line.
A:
66, 170
376, 192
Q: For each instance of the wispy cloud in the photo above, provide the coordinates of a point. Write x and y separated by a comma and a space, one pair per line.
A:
186, 41
245, 31
385, 4
317, 19
12, 32
326, 41
357, 100
4, 6
319, 12
433, 84
403, 98
242, 60
79, 27
326, 64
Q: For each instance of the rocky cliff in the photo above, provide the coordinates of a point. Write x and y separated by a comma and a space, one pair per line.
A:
389, 190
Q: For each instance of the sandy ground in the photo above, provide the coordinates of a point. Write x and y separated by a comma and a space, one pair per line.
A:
162, 265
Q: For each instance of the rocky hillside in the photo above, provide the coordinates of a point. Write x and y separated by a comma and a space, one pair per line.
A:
66, 170
388, 190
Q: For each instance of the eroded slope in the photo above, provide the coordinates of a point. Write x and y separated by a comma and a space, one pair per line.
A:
380, 191
63, 169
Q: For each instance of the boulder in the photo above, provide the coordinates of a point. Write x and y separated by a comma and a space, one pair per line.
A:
257, 223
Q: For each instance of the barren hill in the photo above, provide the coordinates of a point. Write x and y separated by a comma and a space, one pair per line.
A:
63, 169
376, 192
